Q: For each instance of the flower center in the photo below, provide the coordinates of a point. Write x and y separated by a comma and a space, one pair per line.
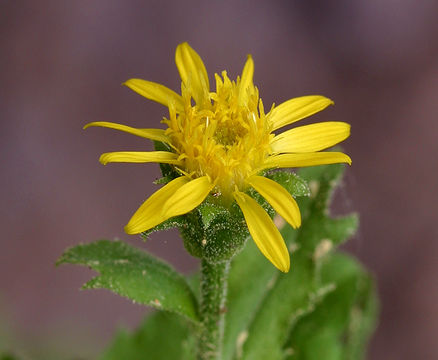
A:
225, 138
229, 131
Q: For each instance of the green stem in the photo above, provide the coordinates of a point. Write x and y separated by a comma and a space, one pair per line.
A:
213, 295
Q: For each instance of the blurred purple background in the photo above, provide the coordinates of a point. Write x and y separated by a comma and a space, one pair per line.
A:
62, 63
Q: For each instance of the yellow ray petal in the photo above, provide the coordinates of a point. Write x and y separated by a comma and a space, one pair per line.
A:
279, 198
266, 236
297, 109
156, 92
246, 80
306, 159
149, 214
187, 197
153, 134
163, 157
310, 138
192, 71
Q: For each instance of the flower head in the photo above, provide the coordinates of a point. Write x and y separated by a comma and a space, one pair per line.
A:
220, 142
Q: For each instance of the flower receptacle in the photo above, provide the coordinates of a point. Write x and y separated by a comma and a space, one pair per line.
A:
214, 233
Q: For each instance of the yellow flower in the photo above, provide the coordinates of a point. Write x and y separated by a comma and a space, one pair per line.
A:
221, 141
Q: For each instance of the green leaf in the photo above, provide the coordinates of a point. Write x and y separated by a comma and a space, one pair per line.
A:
292, 296
321, 345
341, 324
317, 224
249, 278
363, 319
162, 336
264, 329
134, 274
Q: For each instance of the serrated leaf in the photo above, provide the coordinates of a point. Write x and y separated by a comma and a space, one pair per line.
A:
319, 227
134, 274
162, 336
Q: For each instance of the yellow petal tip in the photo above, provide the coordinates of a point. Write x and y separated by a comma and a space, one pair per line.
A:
133, 228
285, 267
131, 83
184, 45
297, 225
127, 83
103, 159
128, 229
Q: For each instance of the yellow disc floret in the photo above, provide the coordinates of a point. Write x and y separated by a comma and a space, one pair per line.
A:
223, 138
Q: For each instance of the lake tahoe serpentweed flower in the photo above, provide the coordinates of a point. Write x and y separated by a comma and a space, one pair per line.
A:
221, 142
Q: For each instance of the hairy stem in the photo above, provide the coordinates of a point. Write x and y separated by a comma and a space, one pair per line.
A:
213, 295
